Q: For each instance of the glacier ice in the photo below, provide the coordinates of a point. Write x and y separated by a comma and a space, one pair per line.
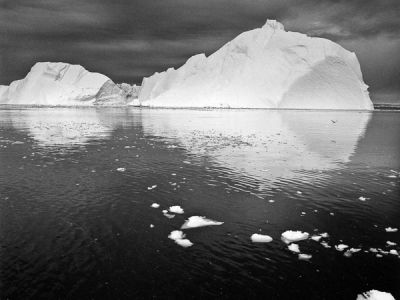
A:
63, 84
266, 67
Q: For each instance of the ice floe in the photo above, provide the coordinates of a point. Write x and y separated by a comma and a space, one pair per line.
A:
303, 256
290, 236
260, 238
390, 229
179, 237
341, 247
294, 248
176, 209
197, 221
155, 205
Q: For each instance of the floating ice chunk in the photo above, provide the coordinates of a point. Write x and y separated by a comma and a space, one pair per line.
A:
179, 237
390, 229
152, 187
176, 235
362, 198
184, 243
294, 248
151, 226
169, 216
303, 256
316, 238
290, 236
298, 192
271, 201
176, 209
155, 205
389, 243
394, 252
375, 295
324, 235
326, 245
341, 247
354, 250
260, 238
196, 221
392, 176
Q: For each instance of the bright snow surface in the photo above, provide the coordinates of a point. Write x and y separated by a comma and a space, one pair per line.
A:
266, 67
50, 83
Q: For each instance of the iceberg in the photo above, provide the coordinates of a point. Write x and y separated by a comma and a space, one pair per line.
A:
266, 67
62, 84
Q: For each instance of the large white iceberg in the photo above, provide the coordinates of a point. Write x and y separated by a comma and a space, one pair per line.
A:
54, 84
266, 67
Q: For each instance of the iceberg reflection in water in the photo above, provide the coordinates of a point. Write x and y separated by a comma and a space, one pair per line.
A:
89, 196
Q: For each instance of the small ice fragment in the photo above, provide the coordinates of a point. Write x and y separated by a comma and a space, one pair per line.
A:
294, 248
390, 229
173, 174
184, 243
152, 187
325, 244
196, 221
316, 238
375, 295
303, 213
303, 256
354, 250
176, 235
121, 169
298, 192
373, 250
155, 205
290, 236
324, 235
169, 216
347, 253
260, 238
392, 176
394, 252
362, 198
389, 243
341, 247
176, 209
164, 211
379, 255
332, 214
271, 201
151, 226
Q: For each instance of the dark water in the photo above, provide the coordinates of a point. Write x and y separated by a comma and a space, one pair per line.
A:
72, 226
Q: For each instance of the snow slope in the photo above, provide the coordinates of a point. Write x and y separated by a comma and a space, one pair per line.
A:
54, 84
266, 67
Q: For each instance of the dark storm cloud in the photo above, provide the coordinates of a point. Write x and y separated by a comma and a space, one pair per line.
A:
127, 39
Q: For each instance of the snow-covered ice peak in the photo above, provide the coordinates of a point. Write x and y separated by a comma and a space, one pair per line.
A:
274, 24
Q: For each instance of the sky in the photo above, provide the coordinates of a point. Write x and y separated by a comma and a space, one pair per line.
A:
130, 39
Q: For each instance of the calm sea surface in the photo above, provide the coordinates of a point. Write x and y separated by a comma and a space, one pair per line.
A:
76, 188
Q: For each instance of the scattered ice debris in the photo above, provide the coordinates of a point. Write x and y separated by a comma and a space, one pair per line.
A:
155, 205
375, 295
290, 236
294, 248
184, 243
362, 198
196, 221
316, 238
260, 238
389, 243
390, 229
303, 256
176, 209
152, 187
121, 169
341, 247
394, 252
176, 235
298, 192
179, 237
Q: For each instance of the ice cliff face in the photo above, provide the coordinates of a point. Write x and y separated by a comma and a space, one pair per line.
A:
54, 84
264, 68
